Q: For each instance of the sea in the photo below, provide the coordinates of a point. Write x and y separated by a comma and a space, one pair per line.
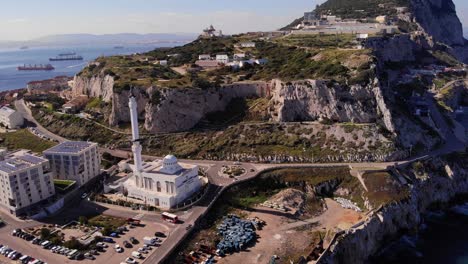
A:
443, 239
10, 59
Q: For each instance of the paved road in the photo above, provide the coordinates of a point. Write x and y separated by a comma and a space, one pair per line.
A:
27, 115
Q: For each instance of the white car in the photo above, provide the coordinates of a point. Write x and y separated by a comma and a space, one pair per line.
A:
130, 261
103, 245
118, 248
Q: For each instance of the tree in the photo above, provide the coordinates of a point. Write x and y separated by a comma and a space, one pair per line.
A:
73, 243
83, 220
45, 233
107, 230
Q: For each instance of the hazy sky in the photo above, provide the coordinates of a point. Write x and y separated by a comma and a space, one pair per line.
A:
27, 19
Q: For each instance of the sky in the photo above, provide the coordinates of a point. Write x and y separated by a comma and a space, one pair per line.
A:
29, 19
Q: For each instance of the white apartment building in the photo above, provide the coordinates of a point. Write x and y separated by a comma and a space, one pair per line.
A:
204, 57
10, 118
26, 182
247, 44
75, 160
222, 58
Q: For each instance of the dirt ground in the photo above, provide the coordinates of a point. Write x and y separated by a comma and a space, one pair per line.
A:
289, 238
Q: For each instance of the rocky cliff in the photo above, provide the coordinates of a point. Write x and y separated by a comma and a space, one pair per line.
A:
439, 19
176, 110
440, 184
312, 100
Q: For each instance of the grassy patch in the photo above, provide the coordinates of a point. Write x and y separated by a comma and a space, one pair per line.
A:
107, 221
63, 185
23, 139
383, 189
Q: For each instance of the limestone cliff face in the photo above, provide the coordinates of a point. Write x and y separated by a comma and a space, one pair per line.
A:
359, 243
96, 86
439, 19
181, 109
312, 100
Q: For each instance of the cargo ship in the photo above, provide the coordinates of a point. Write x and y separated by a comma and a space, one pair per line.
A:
67, 54
40, 67
66, 58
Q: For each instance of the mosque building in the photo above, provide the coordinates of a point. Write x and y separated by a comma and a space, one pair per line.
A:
162, 184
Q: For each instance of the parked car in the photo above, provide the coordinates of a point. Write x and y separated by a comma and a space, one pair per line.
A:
137, 255
89, 256
127, 244
84, 195
103, 245
159, 234
133, 240
114, 235
108, 240
118, 248
93, 252
130, 261
143, 251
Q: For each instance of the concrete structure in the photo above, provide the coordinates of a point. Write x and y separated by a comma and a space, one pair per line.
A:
75, 160
26, 182
10, 118
247, 44
211, 32
381, 19
222, 58
362, 36
162, 184
239, 56
75, 105
204, 57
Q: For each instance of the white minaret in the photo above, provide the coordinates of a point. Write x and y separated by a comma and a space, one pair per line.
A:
136, 147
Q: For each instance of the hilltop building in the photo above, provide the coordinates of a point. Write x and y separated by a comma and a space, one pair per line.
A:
162, 184
27, 182
222, 58
75, 160
10, 118
211, 32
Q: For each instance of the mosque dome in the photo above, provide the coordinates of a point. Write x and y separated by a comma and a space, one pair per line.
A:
170, 160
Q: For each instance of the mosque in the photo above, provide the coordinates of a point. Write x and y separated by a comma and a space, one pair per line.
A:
163, 184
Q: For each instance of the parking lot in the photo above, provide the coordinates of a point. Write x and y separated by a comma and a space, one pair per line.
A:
110, 255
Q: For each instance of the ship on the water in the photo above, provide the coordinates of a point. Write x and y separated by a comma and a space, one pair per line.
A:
36, 67
119, 47
67, 54
63, 57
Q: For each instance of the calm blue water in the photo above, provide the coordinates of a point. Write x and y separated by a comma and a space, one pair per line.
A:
10, 78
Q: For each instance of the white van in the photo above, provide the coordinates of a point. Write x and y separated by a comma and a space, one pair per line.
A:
72, 253
137, 255
45, 243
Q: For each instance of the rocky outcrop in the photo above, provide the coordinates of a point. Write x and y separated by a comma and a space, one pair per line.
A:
399, 48
362, 241
312, 100
439, 19
96, 86
181, 109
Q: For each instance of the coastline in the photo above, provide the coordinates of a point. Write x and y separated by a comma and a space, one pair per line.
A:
360, 243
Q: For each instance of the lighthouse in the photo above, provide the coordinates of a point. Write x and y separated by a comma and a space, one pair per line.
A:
136, 147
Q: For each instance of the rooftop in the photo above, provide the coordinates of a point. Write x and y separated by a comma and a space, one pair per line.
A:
70, 147
17, 163
6, 111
